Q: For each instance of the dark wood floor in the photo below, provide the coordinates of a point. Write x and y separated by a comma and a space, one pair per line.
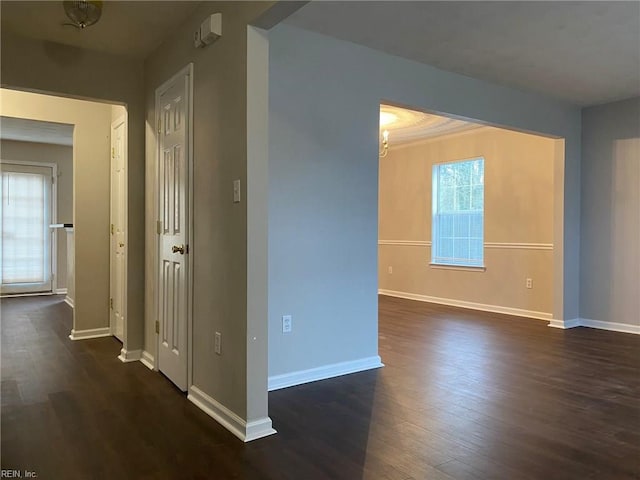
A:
463, 395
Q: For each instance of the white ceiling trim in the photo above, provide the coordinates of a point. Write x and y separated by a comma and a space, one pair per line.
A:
408, 126
472, 128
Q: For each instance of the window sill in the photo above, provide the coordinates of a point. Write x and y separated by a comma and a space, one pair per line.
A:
465, 268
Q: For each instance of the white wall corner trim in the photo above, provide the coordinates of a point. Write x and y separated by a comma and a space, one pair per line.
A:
129, 355
299, 377
229, 420
564, 324
90, 333
518, 312
258, 429
147, 360
68, 301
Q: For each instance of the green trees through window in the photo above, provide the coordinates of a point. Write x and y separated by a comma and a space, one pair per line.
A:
458, 213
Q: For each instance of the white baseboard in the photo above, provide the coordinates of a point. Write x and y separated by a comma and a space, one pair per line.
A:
259, 429
277, 382
564, 324
60, 291
90, 333
614, 327
18, 295
229, 420
68, 301
147, 360
127, 356
518, 312
599, 324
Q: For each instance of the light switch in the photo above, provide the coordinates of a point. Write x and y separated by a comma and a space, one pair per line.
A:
236, 191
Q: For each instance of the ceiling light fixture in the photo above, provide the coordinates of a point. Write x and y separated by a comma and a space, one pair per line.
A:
384, 149
82, 13
386, 118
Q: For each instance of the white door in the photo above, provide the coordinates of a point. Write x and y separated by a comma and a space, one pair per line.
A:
173, 152
26, 213
118, 227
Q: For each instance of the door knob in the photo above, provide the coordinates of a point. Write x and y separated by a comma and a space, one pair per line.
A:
178, 249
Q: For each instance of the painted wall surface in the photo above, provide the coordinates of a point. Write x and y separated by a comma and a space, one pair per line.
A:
219, 245
62, 156
40, 66
91, 178
518, 208
610, 240
323, 185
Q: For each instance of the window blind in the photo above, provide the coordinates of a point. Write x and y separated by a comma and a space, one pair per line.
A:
458, 213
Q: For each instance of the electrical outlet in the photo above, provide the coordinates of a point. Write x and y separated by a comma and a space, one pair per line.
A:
287, 324
529, 283
390, 269
218, 343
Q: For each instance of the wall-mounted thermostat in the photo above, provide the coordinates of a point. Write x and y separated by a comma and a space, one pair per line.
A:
210, 30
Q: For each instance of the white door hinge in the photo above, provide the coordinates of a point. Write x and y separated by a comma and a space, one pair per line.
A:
158, 327
159, 227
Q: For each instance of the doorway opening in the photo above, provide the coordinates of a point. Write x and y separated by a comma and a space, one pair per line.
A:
27, 211
90, 194
466, 213
37, 200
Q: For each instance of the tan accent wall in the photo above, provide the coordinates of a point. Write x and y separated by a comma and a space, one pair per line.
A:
40, 66
91, 180
518, 220
62, 156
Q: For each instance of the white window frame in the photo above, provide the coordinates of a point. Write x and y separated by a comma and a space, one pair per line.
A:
53, 219
434, 212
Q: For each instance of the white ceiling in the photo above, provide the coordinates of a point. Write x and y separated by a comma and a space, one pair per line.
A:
24, 130
583, 52
131, 28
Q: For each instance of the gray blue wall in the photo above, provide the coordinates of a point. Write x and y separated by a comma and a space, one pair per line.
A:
323, 185
610, 213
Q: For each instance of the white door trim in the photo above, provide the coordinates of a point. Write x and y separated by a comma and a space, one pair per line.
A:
122, 119
53, 219
186, 71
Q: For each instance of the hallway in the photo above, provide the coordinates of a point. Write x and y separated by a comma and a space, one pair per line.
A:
464, 395
73, 410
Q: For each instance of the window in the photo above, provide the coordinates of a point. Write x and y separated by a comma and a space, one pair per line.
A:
458, 213
25, 241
